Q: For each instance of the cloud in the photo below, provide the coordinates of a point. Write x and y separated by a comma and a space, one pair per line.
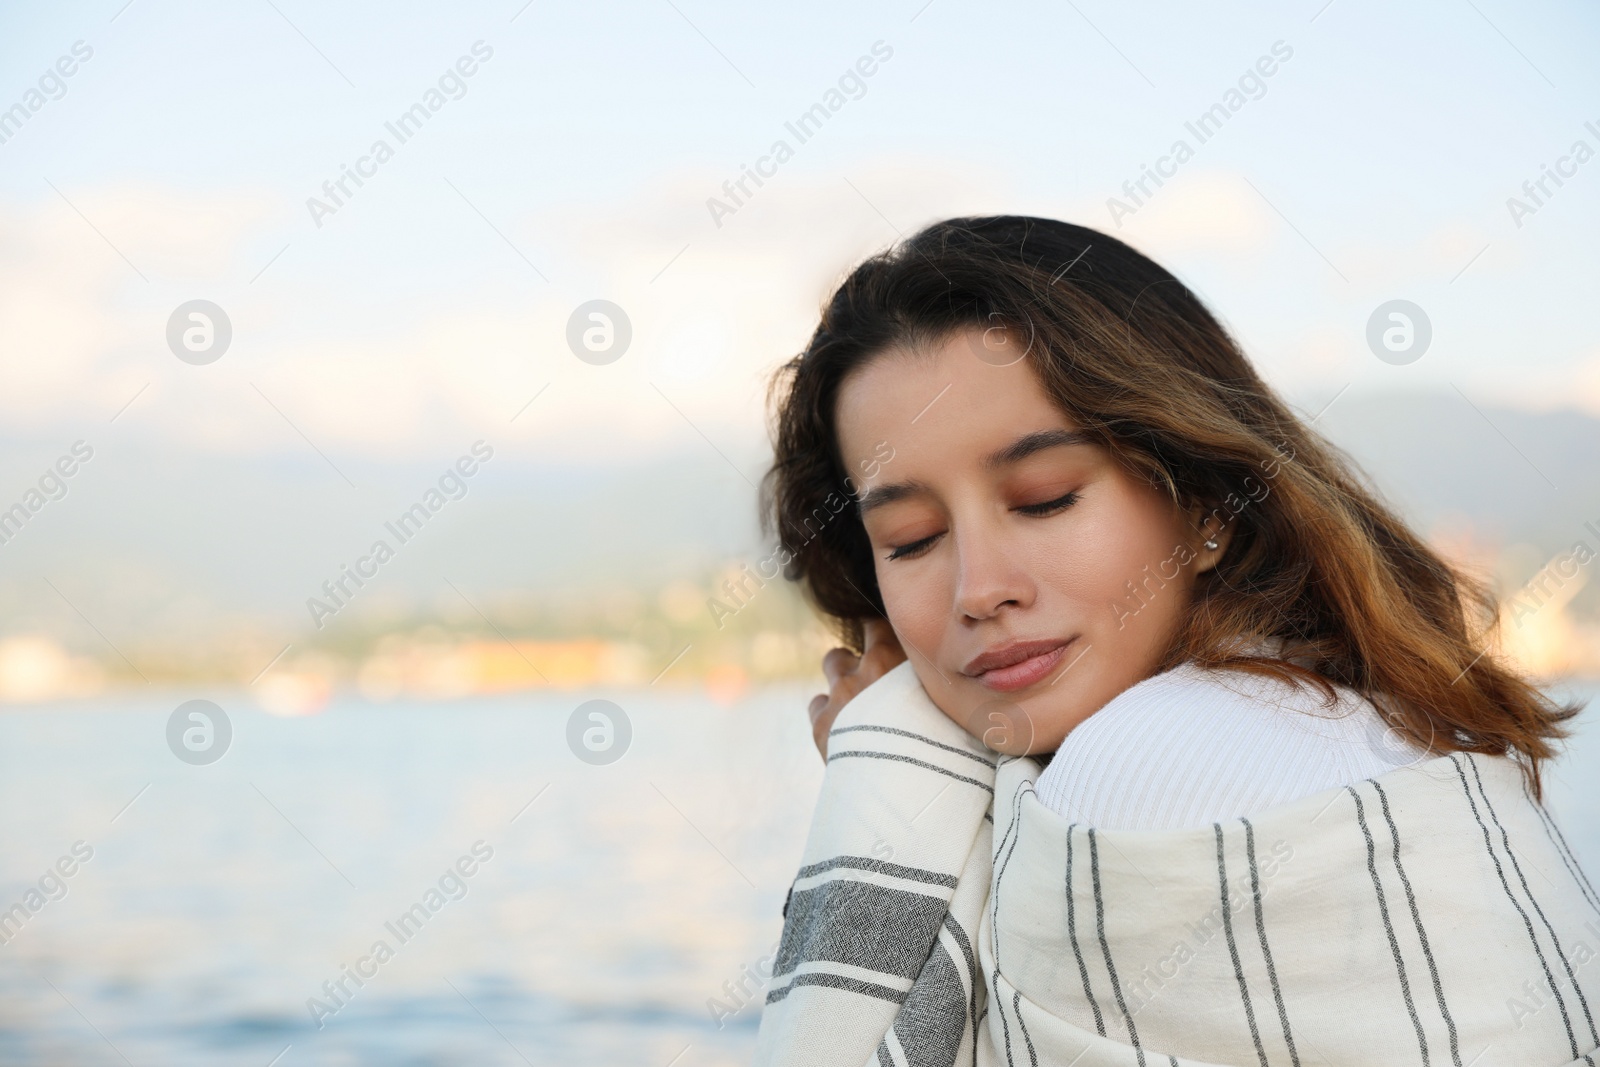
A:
1200, 211
370, 353
1572, 384
76, 319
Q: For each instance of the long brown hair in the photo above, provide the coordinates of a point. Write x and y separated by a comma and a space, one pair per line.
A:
1133, 358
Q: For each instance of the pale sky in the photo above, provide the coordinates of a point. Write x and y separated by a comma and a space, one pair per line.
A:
1374, 164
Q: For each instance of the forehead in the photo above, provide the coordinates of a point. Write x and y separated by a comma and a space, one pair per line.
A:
954, 397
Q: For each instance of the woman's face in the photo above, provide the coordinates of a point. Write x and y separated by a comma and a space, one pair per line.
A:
1029, 576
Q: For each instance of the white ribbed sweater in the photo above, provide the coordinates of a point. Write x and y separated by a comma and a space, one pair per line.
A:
1190, 747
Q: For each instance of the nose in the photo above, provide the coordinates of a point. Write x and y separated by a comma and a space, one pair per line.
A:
990, 575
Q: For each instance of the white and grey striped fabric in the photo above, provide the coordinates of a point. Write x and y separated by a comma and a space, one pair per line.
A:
942, 915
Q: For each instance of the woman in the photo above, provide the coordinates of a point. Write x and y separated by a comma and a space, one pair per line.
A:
1241, 705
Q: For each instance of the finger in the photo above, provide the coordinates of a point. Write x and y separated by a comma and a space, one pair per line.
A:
837, 663
883, 648
819, 737
825, 711
876, 631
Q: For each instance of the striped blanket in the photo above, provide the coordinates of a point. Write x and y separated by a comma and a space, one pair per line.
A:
1433, 915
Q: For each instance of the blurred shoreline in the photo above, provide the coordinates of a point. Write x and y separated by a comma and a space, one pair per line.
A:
432, 665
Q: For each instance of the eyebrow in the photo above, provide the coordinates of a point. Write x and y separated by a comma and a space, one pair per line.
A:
1028, 444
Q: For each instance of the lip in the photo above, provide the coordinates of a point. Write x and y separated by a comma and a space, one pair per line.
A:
1017, 666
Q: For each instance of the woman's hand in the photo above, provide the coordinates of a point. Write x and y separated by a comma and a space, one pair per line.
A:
848, 674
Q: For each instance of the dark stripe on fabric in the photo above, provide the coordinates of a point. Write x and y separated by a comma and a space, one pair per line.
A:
1533, 938
1388, 926
838, 981
974, 979
1416, 919
1261, 931
1527, 891
861, 924
866, 754
1559, 843
932, 1023
863, 863
916, 737
1072, 935
1233, 948
964, 943
1016, 1009
1566, 849
884, 1059
1105, 946
1013, 827
994, 912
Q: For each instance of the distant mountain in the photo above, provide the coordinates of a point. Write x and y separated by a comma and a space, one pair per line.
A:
1517, 476
186, 547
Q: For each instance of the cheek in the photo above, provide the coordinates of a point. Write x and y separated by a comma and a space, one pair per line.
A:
919, 611
1091, 560
918, 607
1145, 590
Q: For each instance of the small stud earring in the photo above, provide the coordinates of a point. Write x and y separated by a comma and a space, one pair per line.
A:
1211, 543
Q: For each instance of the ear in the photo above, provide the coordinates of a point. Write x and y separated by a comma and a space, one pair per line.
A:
1211, 526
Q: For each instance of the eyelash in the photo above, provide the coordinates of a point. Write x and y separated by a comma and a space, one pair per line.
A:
1040, 510
1050, 507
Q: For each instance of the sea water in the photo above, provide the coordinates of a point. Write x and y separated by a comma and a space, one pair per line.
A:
227, 911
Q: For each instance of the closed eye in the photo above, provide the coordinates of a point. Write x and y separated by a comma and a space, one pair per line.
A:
914, 549
1042, 509
1049, 507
